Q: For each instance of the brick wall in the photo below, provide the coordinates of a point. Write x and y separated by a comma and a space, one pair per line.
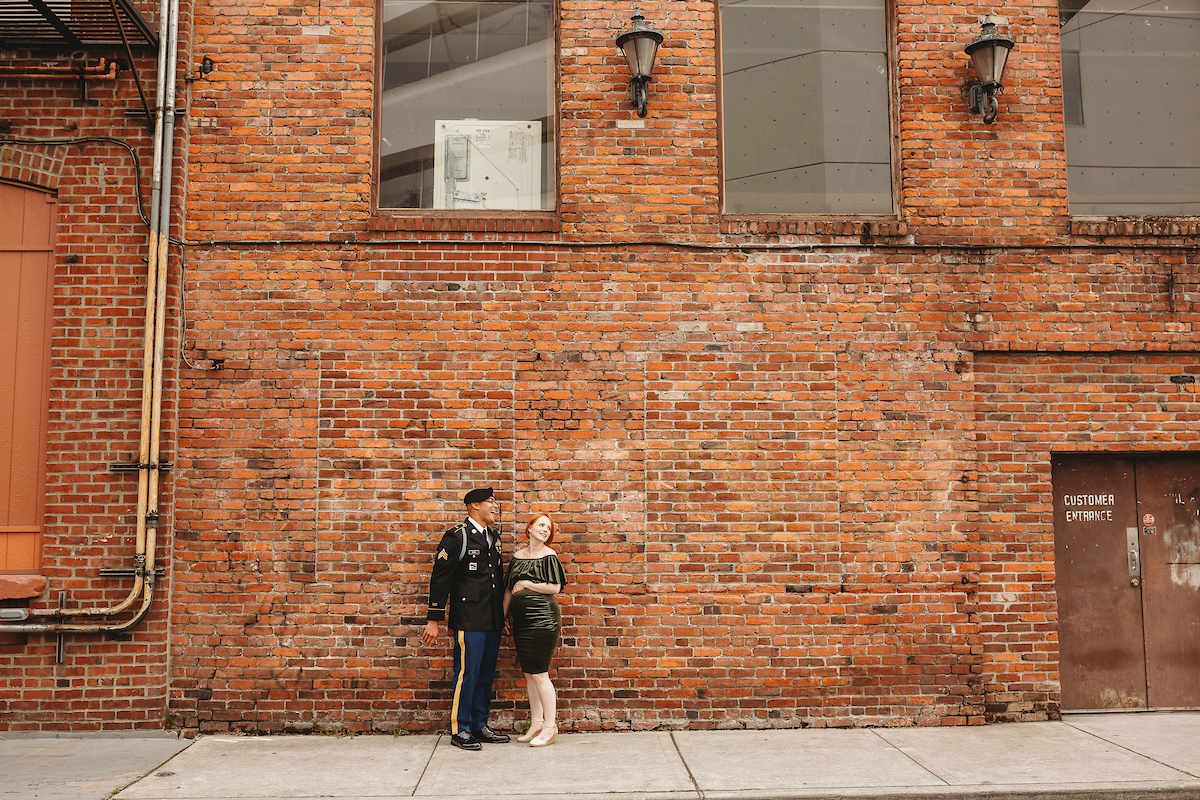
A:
782, 452
724, 461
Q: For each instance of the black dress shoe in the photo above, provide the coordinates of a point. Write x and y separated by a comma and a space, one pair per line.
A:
466, 741
486, 734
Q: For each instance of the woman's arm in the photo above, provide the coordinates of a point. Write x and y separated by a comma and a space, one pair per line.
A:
540, 588
507, 600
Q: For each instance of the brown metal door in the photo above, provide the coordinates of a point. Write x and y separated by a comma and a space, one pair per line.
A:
1101, 653
27, 220
1168, 494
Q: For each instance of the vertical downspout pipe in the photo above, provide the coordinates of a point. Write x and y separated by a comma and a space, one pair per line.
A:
167, 32
161, 299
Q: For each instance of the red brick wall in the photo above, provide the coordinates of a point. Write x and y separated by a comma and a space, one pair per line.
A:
741, 475
774, 446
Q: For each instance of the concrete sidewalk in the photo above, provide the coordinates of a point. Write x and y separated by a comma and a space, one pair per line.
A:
1125, 756
79, 766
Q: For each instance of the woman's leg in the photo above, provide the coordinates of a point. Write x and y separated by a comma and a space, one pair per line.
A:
536, 710
548, 699
545, 690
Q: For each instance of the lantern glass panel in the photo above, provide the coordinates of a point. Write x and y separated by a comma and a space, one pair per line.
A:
989, 62
640, 52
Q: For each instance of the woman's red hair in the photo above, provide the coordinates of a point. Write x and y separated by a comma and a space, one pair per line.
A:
535, 518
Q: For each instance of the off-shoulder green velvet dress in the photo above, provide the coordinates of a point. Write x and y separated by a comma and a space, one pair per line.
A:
536, 619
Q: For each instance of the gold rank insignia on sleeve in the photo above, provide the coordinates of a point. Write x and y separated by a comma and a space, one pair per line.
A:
442, 554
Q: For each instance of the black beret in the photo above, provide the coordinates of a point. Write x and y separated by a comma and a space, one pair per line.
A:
477, 496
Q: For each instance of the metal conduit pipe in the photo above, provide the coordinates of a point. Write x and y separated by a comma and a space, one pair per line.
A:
64, 627
152, 466
155, 277
152, 371
105, 70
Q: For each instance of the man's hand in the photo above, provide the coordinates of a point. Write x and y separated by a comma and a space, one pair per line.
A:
430, 634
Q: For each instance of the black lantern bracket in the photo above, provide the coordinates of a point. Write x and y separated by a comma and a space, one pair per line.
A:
638, 94
983, 102
202, 72
640, 45
989, 55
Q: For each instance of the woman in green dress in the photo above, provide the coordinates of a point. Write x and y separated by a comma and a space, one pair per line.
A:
534, 577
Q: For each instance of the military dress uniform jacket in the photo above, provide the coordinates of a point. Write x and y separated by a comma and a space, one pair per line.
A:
469, 580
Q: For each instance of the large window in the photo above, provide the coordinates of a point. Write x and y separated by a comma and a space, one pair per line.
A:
805, 107
1131, 90
467, 105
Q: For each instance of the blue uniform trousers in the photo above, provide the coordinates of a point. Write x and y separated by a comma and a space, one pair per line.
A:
475, 655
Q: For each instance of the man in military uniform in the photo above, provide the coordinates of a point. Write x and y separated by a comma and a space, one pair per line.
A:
468, 577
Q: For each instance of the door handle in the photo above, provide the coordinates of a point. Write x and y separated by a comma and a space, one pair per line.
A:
1133, 551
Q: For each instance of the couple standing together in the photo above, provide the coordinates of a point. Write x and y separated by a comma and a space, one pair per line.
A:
470, 582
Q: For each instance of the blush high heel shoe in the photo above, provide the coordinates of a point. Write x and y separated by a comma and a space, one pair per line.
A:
535, 727
545, 736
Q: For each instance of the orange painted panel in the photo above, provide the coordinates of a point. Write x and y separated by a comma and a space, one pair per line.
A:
20, 549
29, 219
26, 325
12, 199
10, 270
31, 390
39, 221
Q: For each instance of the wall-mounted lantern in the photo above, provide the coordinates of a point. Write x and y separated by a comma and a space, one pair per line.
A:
989, 53
640, 45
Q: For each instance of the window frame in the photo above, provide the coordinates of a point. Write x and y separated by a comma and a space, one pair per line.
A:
891, 51
1135, 225
453, 219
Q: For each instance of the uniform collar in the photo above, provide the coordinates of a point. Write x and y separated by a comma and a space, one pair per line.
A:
486, 533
